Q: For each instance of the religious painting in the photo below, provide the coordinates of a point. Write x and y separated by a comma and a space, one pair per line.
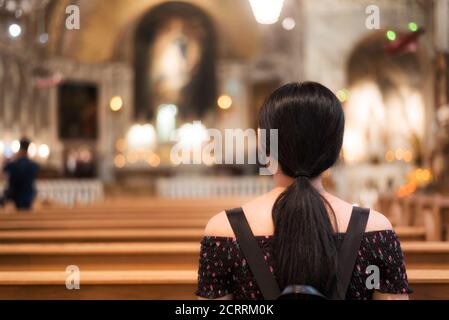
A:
77, 110
175, 61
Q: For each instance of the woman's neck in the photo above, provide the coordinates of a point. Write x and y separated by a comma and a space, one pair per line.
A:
282, 181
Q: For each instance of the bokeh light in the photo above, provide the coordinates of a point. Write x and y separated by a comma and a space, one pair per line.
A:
119, 161
288, 23
342, 95
224, 102
43, 151
15, 30
15, 146
116, 103
391, 35
412, 26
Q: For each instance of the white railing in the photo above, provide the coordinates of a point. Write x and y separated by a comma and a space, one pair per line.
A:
203, 187
70, 192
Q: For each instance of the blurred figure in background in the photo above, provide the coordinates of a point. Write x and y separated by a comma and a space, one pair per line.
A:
22, 173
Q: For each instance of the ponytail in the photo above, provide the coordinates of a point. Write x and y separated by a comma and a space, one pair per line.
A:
304, 243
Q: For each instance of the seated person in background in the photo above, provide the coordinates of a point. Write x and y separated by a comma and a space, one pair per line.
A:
300, 228
22, 173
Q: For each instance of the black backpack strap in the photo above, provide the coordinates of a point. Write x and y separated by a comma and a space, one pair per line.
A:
253, 254
349, 250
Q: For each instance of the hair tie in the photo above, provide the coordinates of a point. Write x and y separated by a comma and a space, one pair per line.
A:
302, 174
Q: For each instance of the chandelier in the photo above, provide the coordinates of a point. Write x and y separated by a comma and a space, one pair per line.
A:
266, 11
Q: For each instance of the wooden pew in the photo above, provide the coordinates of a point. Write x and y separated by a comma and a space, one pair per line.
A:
147, 222
435, 211
135, 255
105, 215
159, 201
104, 212
390, 205
51, 256
151, 205
426, 254
404, 211
101, 220
157, 284
429, 211
112, 245
411, 233
139, 234
101, 284
429, 284
102, 235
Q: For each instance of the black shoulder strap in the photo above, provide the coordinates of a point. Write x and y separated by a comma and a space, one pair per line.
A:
349, 250
253, 254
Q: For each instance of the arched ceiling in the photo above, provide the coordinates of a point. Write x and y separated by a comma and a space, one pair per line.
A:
369, 60
108, 25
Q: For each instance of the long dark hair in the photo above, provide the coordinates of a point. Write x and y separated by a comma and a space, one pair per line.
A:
310, 123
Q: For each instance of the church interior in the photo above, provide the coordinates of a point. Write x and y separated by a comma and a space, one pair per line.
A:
105, 90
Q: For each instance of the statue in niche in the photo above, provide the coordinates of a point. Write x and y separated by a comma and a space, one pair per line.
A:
174, 61
175, 56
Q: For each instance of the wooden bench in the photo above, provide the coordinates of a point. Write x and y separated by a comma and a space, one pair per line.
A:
139, 234
429, 284
147, 222
411, 233
134, 255
426, 254
150, 205
102, 235
429, 211
118, 212
157, 284
105, 215
101, 284
435, 211
50, 256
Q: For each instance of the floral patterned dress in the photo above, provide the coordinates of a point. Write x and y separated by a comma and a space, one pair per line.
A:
223, 269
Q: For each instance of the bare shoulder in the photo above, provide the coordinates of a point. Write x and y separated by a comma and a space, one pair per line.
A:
343, 211
257, 211
219, 226
377, 221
